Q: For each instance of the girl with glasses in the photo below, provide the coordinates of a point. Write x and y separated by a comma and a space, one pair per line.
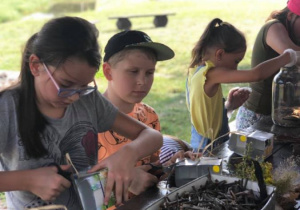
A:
56, 109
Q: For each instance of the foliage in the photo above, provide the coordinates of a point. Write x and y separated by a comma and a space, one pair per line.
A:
16, 9
286, 176
245, 168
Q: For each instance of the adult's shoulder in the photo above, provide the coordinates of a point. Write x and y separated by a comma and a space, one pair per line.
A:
271, 22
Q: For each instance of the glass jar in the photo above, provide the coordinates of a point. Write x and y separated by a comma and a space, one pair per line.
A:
286, 97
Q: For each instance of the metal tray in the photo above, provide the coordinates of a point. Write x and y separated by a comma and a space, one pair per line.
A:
270, 205
189, 170
262, 143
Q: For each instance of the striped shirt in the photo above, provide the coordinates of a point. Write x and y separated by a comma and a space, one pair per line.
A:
169, 148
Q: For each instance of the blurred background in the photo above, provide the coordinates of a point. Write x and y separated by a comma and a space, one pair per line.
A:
20, 19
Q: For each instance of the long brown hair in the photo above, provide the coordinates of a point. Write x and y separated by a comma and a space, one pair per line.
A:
282, 16
58, 40
218, 34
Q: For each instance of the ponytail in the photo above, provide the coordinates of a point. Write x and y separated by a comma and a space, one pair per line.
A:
218, 34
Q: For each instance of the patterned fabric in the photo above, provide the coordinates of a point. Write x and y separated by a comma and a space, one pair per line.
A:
109, 142
169, 148
245, 118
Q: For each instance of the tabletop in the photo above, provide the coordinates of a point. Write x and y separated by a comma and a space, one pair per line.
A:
285, 145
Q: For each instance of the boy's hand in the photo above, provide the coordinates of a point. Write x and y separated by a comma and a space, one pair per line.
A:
142, 180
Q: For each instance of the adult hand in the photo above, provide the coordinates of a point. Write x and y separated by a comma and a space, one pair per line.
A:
142, 179
298, 58
47, 183
295, 57
236, 97
120, 167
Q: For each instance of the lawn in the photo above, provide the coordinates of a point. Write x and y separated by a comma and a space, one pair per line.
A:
167, 96
183, 30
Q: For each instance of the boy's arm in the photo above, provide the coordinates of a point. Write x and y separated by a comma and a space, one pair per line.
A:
145, 139
120, 165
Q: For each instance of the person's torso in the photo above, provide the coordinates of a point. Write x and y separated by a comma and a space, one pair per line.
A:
75, 133
206, 112
260, 99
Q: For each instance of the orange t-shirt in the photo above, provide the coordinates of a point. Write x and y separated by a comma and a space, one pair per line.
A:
109, 142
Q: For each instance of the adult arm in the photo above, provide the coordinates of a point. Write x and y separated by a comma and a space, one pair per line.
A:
278, 39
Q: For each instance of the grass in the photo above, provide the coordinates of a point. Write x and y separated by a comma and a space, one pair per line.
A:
167, 96
183, 30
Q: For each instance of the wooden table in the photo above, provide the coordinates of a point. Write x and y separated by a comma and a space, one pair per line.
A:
285, 141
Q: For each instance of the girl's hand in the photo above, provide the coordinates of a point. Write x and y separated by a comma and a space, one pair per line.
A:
236, 97
46, 182
192, 155
120, 175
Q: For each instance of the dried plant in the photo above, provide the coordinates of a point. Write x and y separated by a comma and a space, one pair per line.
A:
286, 176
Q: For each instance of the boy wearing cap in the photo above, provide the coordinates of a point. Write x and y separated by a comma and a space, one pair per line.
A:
129, 66
280, 32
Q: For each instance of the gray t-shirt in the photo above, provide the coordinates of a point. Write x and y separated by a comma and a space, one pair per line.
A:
75, 133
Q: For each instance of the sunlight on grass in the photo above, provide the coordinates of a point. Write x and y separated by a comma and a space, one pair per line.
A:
183, 30
167, 96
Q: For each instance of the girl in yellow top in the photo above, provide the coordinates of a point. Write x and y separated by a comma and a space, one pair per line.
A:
214, 61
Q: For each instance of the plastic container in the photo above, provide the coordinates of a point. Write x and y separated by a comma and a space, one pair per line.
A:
286, 97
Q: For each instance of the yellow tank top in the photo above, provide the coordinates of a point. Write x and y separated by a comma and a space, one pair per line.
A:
205, 112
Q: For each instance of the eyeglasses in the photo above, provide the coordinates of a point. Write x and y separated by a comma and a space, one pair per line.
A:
67, 92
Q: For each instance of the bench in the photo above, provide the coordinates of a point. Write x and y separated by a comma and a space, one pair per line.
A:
123, 22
